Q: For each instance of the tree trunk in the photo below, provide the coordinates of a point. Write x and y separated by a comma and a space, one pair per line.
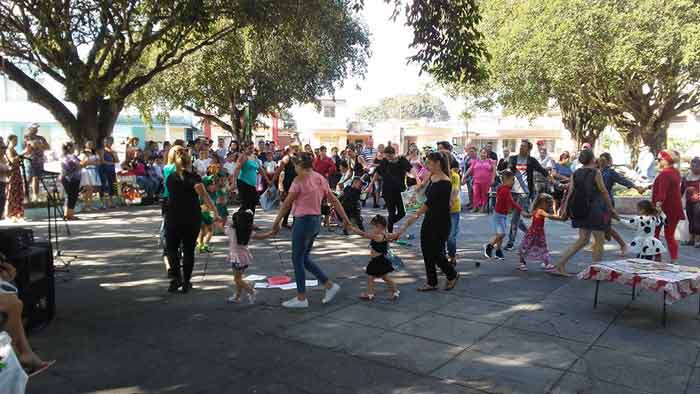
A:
235, 119
633, 141
655, 136
585, 124
95, 120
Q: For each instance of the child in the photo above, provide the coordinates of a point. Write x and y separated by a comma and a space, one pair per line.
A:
645, 245
504, 204
351, 203
207, 230
221, 201
239, 256
379, 266
534, 245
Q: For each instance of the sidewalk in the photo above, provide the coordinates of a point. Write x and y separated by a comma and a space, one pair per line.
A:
117, 331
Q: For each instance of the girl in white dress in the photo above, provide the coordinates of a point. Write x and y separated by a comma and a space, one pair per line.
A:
89, 175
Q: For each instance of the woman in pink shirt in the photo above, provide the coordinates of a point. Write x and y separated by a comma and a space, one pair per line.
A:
483, 170
304, 199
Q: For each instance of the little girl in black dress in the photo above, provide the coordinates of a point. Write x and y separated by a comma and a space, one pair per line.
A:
379, 266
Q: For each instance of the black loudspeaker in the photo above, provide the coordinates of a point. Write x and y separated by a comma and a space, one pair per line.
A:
15, 240
35, 283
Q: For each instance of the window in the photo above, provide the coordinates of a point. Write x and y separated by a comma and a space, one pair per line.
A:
329, 111
511, 144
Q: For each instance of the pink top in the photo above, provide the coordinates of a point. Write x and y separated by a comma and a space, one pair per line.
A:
482, 170
312, 188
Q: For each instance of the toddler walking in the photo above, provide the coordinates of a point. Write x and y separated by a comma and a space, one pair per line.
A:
239, 256
504, 204
645, 244
379, 265
533, 248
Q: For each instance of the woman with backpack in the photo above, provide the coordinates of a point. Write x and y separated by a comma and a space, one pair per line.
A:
589, 206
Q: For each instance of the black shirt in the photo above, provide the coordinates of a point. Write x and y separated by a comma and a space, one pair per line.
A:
437, 198
351, 199
289, 174
394, 174
183, 203
493, 156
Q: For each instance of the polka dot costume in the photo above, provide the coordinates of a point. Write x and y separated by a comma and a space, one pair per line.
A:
644, 243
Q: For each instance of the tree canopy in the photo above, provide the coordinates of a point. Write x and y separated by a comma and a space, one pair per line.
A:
292, 62
412, 106
630, 64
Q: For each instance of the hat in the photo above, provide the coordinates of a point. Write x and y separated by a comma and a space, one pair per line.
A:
33, 125
540, 142
586, 146
666, 155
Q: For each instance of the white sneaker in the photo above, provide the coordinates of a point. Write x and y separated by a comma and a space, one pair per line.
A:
331, 293
251, 297
296, 303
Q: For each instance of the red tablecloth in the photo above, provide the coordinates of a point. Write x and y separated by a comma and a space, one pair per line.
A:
676, 280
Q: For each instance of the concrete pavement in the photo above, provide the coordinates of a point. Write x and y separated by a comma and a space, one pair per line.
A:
500, 331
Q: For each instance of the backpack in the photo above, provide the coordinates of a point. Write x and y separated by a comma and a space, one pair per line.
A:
581, 199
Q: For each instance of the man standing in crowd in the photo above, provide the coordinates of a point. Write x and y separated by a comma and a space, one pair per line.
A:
446, 147
490, 153
503, 163
323, 164
221, 151
368, 152
524, 167
35, 146
542, 183
393, 171
470, 155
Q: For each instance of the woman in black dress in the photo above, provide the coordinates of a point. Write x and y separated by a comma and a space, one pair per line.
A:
183, 218
436, 225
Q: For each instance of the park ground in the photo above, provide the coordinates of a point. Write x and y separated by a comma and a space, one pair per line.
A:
117, 331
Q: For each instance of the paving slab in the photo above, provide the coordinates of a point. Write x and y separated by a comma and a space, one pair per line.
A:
647, 374
332, 333
399, 349
649, 343
479, 310
531, 348
579, 384
499, 375
451, 330
375, 316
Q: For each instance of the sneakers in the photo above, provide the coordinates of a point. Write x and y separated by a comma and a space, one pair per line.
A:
522, 267
296, 303
413, 236
509, 246
330, 293
488, 251
251, 297
499, 255
204, 248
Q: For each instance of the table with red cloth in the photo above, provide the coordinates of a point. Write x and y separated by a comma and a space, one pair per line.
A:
674, 281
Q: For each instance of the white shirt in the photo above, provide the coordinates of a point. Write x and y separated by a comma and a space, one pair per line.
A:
230, 167
201, 165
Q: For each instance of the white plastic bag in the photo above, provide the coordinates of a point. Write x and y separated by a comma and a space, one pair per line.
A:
13, 379
464, 195
270, 199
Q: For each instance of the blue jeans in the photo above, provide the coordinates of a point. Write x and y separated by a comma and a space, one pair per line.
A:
304, 232
149, 185
454, 231
516, 223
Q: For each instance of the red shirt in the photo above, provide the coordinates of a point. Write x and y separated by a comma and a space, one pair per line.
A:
325, 166
667, 191
504, 201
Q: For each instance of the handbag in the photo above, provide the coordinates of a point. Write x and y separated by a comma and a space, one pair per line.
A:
395, 260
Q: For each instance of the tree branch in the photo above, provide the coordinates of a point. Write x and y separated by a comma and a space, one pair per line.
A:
39, 94
211, 117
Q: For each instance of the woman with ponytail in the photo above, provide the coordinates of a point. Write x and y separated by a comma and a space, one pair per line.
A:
183, 217
435, 229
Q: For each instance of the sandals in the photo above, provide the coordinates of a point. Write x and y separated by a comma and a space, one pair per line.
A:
451, 283
37, 369
367, 296
395, 295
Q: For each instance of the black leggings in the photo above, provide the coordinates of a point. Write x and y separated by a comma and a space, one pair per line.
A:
72, 189
3, 199
394, 205
432, 243
185, 234
248, 196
